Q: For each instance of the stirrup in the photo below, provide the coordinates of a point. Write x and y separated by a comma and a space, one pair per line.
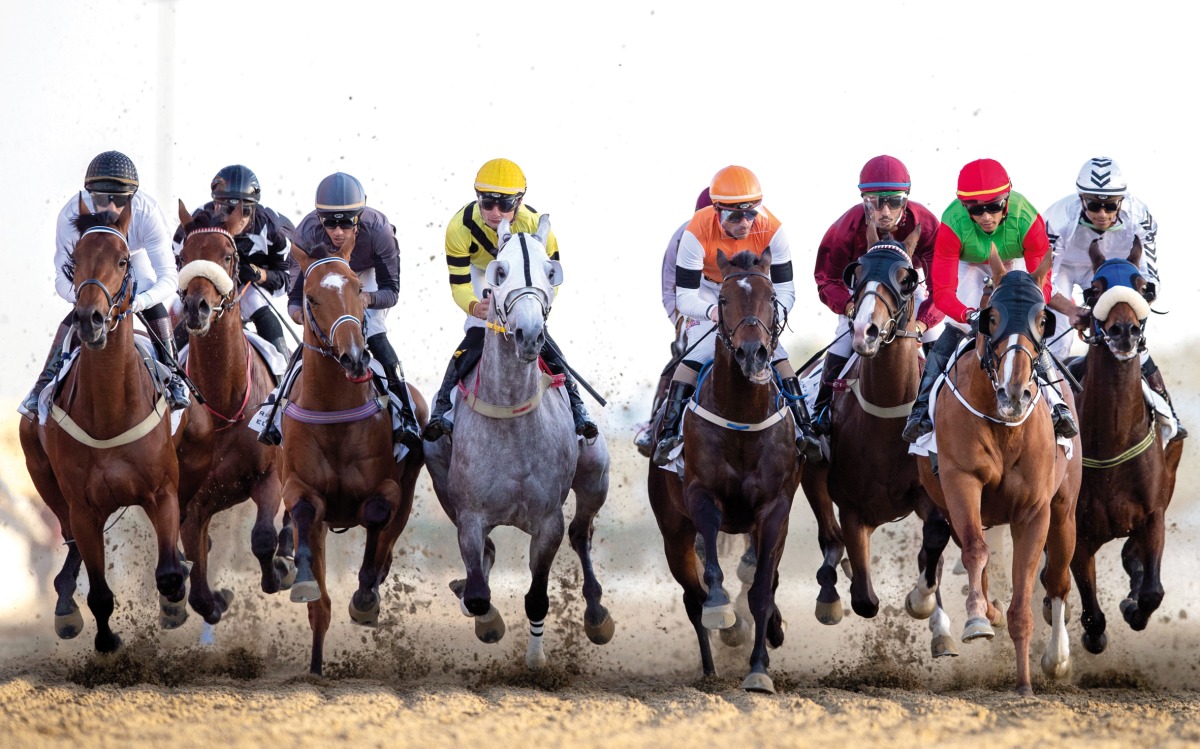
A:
439, 426
177, 394
270, 434
664, 448
916, 428
645, 442
585, 427
1064, 423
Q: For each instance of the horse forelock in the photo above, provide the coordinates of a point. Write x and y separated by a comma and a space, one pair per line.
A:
206, 218
86, 221
747, 261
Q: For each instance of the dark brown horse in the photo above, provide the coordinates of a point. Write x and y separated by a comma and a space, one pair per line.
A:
234, 379
108, 444
338, 466
1128, 476
740, 475
870, 475
998, 463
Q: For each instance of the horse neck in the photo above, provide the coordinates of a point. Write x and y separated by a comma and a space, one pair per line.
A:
1112, 403
892, 376
110, 383
324, 385
217, 362
504, 380
732, 395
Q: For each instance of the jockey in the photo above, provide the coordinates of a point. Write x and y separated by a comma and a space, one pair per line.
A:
470, 245
261, 236
884, 185
341, 212
987, 212
644, 439
111, 184
1102, 209
737, 221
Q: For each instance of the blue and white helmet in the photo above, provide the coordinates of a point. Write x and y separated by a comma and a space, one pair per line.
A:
1101, 176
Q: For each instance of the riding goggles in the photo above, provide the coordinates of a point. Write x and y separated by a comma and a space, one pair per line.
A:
491, 200
730, 216
1108, 206
979, 209
340, 220
895, 202
102, 199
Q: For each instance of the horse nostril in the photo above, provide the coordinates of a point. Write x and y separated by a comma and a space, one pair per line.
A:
97, 318
364, 359
203, 307
872, 331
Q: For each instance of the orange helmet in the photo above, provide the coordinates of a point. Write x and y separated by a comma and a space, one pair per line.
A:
735, 186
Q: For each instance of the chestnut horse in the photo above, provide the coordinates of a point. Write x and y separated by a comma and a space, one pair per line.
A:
870, 475
108, 443
997, 463
338, 465
1128, 476
741, 474
234, 379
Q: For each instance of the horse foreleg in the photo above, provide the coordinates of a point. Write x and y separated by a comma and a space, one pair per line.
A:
320, 610
1029, 538
922, 600
308, 516
89, 539
68, 622
718, 611
771, 525
829, 538
1083, 566
857, 535
1146, 597
169, 573
264, 539
194, 534
543, 545
285, 552
679, 545
376, 515
597, 622
1056, 578
963, 493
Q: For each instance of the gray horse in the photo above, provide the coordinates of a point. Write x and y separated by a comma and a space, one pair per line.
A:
515, 454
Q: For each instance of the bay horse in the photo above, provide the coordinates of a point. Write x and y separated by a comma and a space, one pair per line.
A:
338, 469
234, 379
108, 443
515, 455
998, 463
740, 474
870, 475
1128, 473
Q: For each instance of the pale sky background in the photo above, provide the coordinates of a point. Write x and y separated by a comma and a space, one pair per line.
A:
618, 112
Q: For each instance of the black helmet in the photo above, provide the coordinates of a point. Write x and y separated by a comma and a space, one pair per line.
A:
236, 181
340, 196
111, 171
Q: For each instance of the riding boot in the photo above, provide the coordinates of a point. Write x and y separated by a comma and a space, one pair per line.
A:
1154, 379
919, 423
1064, 422
822, 415
808, 443
672, 425
439, 425
268, 327
164, 345
584, 426
29, 407
270, 434
408, 433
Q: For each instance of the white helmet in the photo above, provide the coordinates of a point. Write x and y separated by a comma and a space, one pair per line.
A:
1101, 176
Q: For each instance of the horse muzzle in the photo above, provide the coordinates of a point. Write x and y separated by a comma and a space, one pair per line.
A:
197, 314
529, 341
91, 328
357, 364
1012, 401
754, 360
866, 340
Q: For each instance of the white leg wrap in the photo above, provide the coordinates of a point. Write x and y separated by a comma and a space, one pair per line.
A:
535, 655
1056, 661
939, 623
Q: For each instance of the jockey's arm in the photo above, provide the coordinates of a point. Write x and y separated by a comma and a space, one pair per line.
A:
833, 256
458, 263
928, 313
946, 251
668, 273
781, 270
276, 266
689, 268
1035, 245
386, 254
148, 229
1147, 231
65, 238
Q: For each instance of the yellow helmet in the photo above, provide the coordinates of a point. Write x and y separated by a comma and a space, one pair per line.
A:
736, 186
500, 176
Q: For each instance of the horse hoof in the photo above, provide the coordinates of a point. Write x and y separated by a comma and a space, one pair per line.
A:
171, 615
287, 572
1095, 644
942, 646
224, 598
977, 628
1056, 671
829, 613
68, 626
306, 592
718, 617
758, 682
368, 617
489, 628
110, 645
919, 605
1025, 690
535, 659
735, 636
746, 571
601, 633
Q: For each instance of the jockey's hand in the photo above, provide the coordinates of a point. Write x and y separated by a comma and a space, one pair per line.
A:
481, 308
714, 314
247, 273
973, 320
295, 315
1080, 317
850, 309
367, 298
136, 306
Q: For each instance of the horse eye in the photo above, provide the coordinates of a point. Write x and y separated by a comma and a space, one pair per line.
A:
311, 302
122, 263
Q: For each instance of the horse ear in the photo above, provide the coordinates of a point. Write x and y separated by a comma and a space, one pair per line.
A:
910, 242
302, 259
503, 232
83, 209
185, 216
543, 230
347, 247
764, 261
125, 218
996, 264
1097, 257
554, 272
872, 231
1135, 252
722, 262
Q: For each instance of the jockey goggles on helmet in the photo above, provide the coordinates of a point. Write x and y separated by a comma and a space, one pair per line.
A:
492, 200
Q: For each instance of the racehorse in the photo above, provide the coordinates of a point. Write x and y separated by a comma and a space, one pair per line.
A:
870, 475
998, 463
515, 455
108, 444
234, 378
741, 469
1128, 475
339, 470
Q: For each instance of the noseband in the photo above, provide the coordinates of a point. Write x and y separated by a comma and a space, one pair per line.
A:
509, 303
234, 296
327, 348
128, 283
777, 324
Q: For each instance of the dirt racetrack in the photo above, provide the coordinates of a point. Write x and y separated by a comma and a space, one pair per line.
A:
422, 679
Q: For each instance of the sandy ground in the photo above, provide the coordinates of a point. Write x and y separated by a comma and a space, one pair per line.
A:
422, 679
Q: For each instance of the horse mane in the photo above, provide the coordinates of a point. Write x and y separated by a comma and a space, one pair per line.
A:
206, 218
746, 260
82, 223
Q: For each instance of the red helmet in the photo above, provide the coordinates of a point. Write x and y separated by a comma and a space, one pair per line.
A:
983, 180
884, 174
702, 200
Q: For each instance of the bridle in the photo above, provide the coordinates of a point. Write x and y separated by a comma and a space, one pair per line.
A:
509, 303
776, 327
234, 296
896, 324
128, 283
327, 348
